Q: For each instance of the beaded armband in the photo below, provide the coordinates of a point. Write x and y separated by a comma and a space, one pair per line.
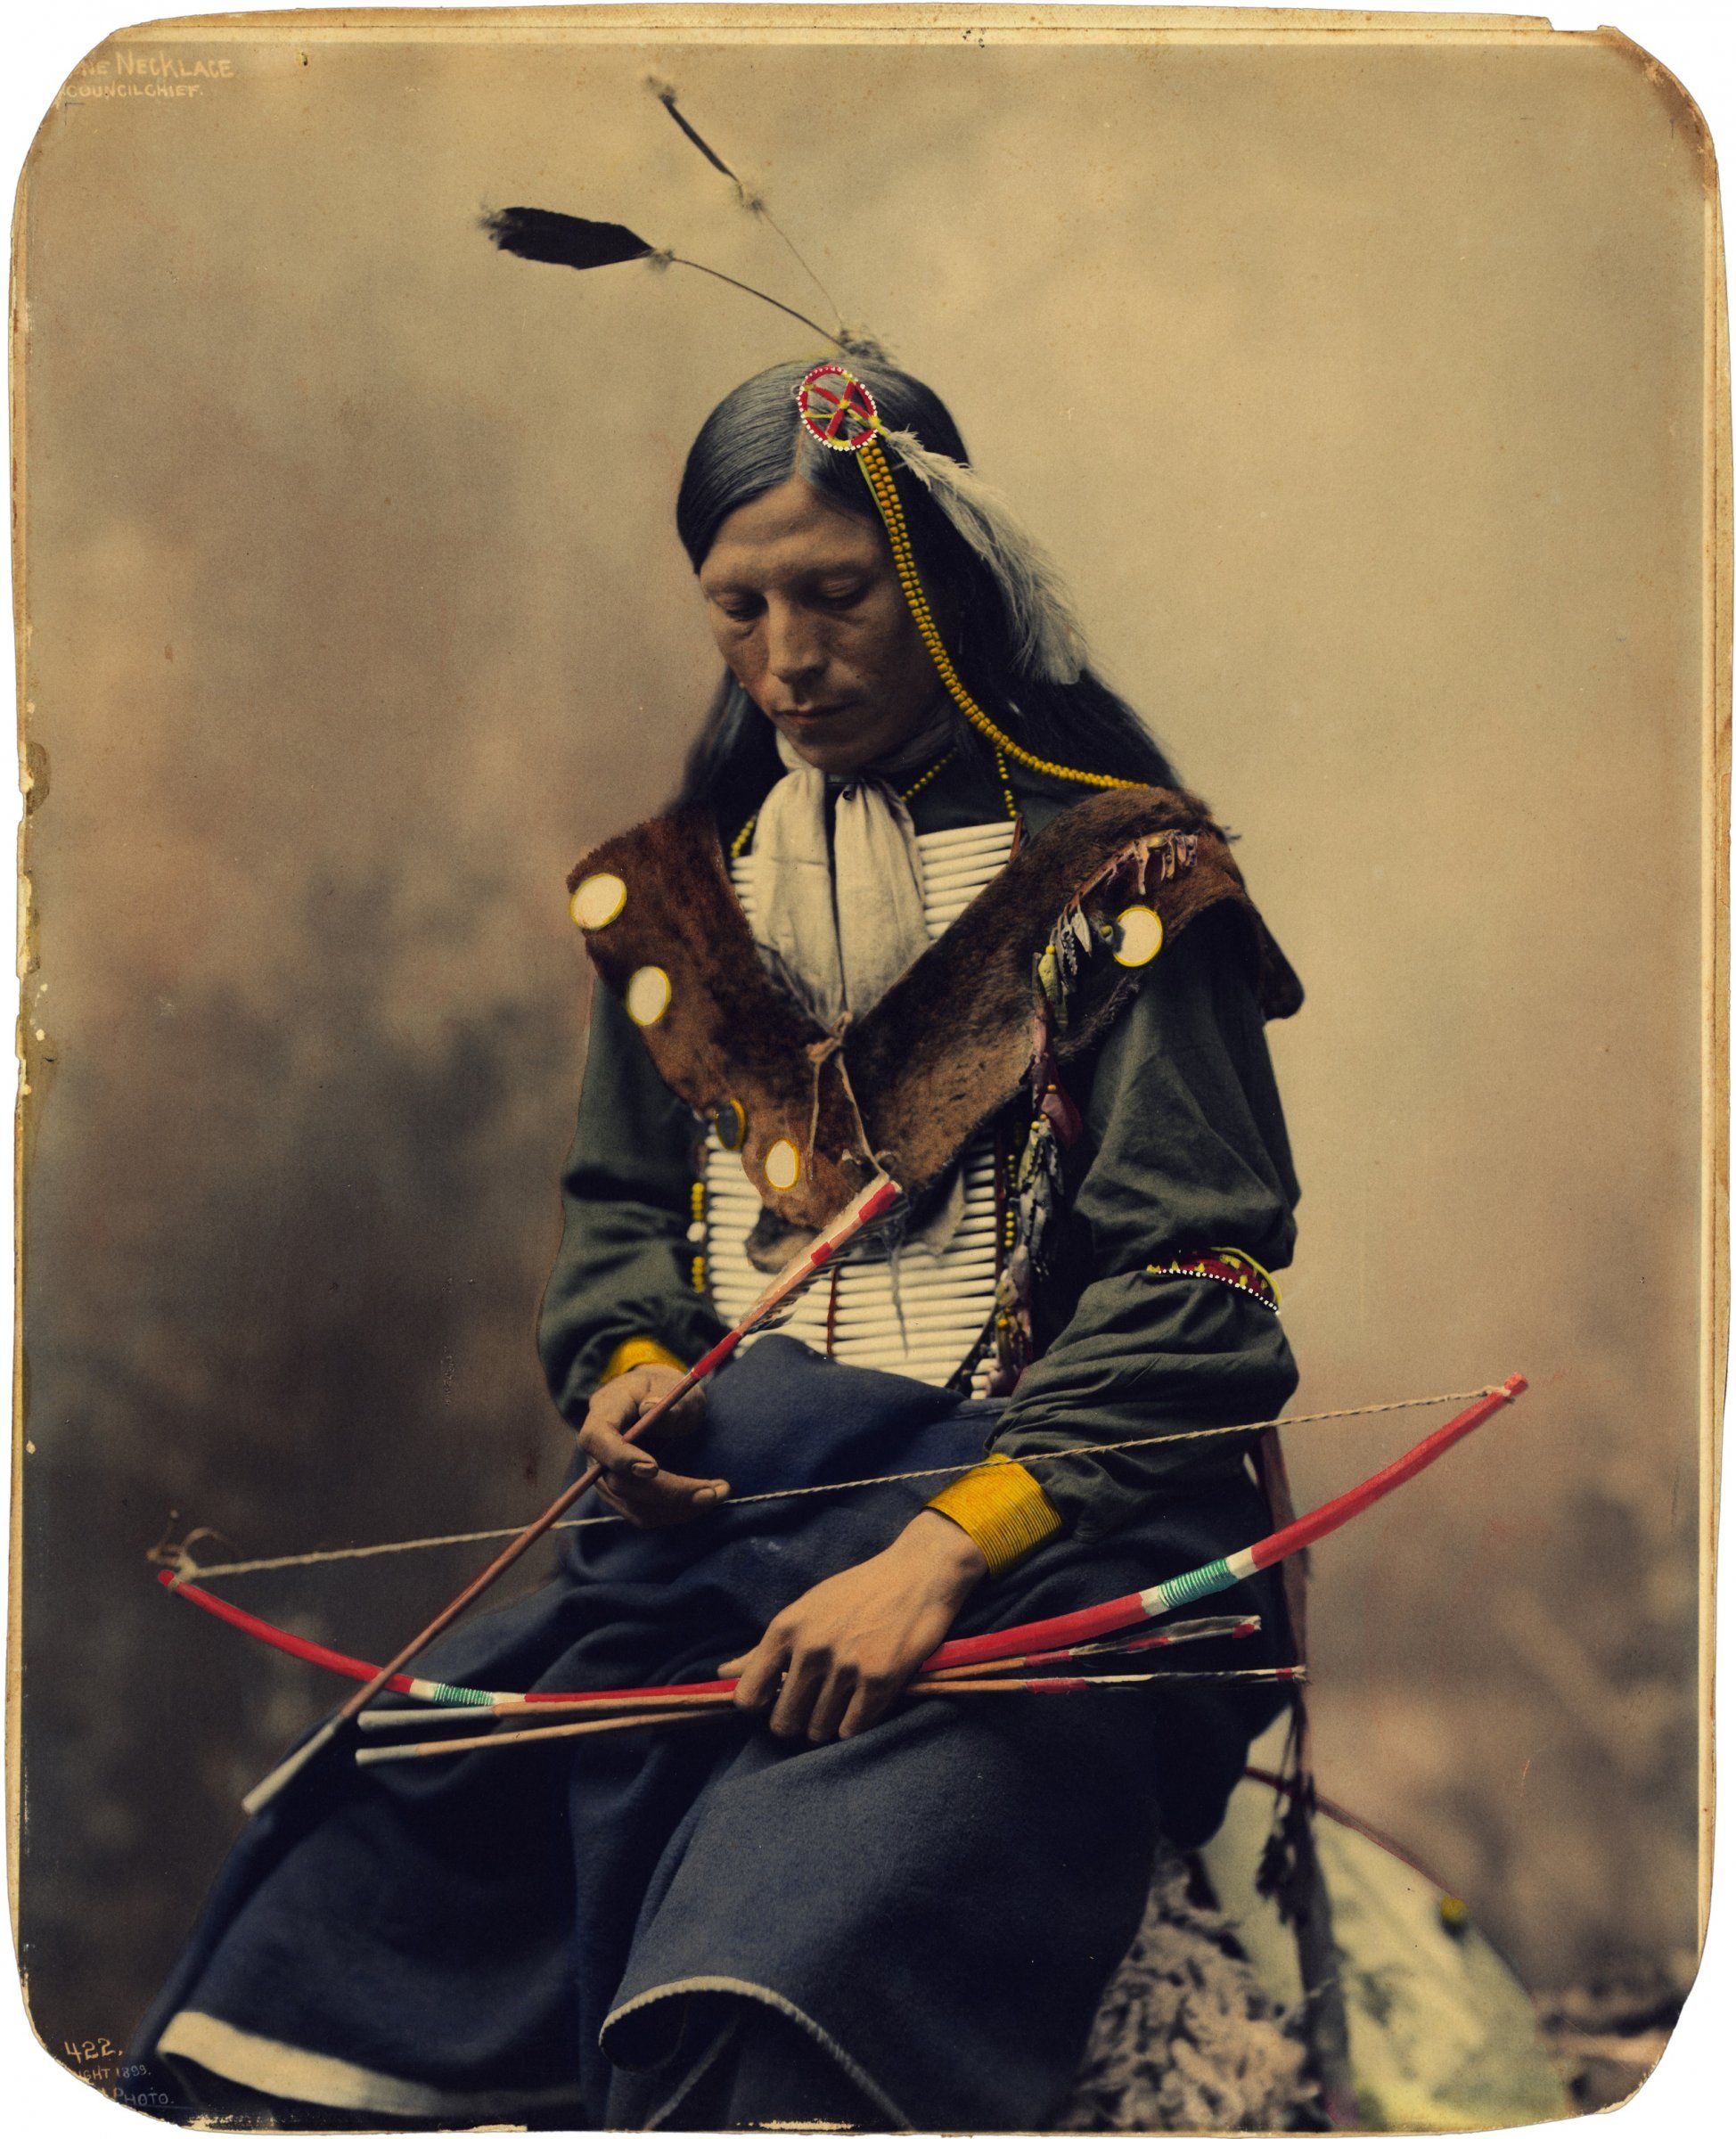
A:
1225, 1266
1002, 1509
638, 1351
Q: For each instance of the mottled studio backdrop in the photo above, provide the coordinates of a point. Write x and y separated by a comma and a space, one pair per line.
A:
1358, 386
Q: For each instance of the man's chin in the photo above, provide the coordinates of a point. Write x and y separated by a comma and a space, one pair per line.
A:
816, 745
831, 759
843, 741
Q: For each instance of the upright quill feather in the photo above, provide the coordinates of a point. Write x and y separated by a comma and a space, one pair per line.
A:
753, 199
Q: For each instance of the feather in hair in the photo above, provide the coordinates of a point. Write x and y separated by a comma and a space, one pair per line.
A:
543, 233
1047, 641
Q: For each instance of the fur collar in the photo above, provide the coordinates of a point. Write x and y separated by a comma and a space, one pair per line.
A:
949, 1044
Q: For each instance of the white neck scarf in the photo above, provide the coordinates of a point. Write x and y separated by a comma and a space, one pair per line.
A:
838, 904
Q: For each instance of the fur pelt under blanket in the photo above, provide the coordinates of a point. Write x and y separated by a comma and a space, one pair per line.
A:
1185, 2040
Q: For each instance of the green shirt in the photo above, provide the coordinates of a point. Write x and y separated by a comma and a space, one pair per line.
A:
1184, 1149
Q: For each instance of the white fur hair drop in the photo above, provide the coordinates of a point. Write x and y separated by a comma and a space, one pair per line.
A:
1047, 640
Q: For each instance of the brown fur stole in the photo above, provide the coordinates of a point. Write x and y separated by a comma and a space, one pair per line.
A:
949, 1044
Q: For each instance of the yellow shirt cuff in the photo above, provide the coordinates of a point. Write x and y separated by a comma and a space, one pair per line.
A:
638, 1351
1002, 1509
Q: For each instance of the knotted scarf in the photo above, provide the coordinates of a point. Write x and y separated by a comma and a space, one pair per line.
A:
837, 879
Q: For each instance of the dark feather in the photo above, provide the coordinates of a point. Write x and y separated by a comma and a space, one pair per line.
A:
666, 97
542, 233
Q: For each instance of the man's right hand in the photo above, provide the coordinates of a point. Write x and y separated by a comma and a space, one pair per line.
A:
633, 1482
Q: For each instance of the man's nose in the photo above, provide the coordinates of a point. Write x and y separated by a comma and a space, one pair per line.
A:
794, 650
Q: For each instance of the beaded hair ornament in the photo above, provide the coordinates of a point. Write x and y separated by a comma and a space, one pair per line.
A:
837, 411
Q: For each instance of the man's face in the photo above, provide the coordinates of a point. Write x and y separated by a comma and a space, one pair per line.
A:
807, 609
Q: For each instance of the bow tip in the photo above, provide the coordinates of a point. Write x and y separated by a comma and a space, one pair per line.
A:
1515, 1385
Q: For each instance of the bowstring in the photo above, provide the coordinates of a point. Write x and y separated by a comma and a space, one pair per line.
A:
178, 1557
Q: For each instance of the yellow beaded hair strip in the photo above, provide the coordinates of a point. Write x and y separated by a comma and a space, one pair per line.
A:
838, 412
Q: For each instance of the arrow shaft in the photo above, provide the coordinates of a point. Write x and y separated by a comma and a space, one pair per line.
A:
873, 1203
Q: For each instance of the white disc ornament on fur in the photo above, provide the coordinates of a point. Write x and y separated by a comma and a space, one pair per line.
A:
598, 900
1138, 935
648, 994
783, 1165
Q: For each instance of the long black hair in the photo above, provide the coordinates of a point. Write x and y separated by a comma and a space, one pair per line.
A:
754, 440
